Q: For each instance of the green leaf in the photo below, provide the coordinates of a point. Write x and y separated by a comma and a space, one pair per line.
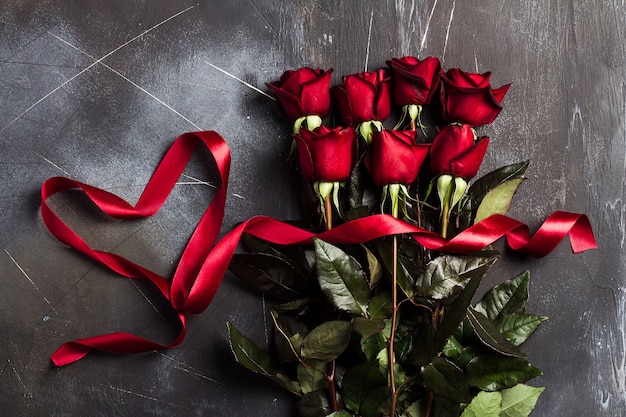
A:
484, 404
447, 275
371, 346
423, 347
444, 408
289, 336
452, 348
489, 335
509, 297
376, 402
296, 255
366, 327
375, 267
249, 355
268, 274
517, 328
495, 372
340, 414
457, 311
380, 306
414, 410
291, 306
341, 278
359, 381
408, 266
479, 189
446, 380
520, 400
312, 377
314, 404
257, 360
497, 200
468, 354
327, 341
290, 332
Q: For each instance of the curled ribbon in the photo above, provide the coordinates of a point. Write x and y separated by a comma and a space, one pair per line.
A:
204, 262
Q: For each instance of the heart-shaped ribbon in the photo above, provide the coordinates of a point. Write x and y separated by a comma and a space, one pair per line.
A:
204, 262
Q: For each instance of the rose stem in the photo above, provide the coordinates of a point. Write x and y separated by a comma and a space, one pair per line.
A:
331, 387
328, 211
445, 216
394, 316
429, 404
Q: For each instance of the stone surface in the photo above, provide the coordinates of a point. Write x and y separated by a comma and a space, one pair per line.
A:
97, 91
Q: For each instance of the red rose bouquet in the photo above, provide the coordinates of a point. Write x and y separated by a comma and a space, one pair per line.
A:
387, 327
373, 288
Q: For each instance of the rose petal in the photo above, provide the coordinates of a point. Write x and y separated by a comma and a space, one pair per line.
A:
467, 164
451, 141
315, 96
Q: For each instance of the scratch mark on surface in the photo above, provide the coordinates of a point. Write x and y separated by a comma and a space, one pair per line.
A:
256, 8
445, 44
53, 164
69, 80
195, 181
476, 62
430, 16
38, 64
239, 196
186, 368
31, 281
369, 40
264, 312
19, 378
240, 80
146, 397
98, 61
146, 298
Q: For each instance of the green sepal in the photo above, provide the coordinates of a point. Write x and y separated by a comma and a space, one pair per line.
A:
367, 129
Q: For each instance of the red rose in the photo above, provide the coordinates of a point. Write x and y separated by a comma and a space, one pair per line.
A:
364, 97
394, 157
325, 154
415, 81
455, 152
469, 98
303, 92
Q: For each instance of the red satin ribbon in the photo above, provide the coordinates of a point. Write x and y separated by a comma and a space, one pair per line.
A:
204, 262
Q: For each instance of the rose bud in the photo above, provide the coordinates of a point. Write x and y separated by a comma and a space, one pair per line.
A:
454, 152
364, 97
415, 81
325, 154
394, 157
469, 98
303, 93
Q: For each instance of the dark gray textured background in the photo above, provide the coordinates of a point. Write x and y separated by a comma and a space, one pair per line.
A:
97, 90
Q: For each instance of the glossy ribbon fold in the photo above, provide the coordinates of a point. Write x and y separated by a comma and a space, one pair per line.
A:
205, 261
